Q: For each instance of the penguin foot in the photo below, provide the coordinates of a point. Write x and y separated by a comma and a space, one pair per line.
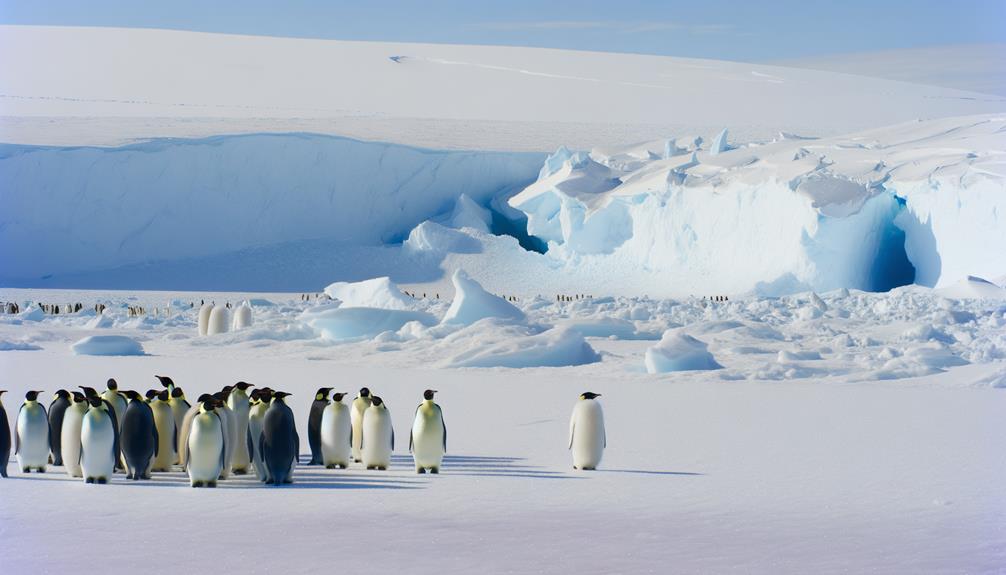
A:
421, 470
197, 484
3, 472
26, 470
41, 470
341, 466
239, 471
211, 484
371, 467
333, 466
435, 470
382, 468
89, 480
102, 480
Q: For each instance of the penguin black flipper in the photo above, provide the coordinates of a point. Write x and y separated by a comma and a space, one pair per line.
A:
17, 438
251, 444
174, 440
223, 442
157, 442
392, 438
444, 424
572, 430
115, 432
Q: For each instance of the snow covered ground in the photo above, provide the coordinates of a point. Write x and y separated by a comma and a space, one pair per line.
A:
846, 432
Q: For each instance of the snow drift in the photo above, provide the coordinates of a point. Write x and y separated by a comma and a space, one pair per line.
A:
679, 352
107, 345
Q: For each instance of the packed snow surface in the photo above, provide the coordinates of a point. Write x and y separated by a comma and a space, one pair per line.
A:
107, 345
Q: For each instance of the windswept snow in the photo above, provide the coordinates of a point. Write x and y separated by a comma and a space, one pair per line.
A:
107, 345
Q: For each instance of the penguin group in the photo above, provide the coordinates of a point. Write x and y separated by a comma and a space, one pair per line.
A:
232, 431
575, 297
214, 319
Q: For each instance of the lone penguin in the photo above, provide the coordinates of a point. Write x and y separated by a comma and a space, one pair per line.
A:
361, 404
206, 446
279, 442
428, 440
73, 419
240, 404
587, 439
31, 435
138, 438
97, 443
314, 424
167, 440
336, 434
57, 410
4, 437
379, 434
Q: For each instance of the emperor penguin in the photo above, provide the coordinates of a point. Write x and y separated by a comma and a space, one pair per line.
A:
31, 435
114, 397
90, 393
179, 407
279, 441
314, 424
336, 434
167, 440
379, 436
97, 443
428, 440
73, 419
587, 439
138, 437
230, 428
219, 320
57, 410
206, 446
360, 405
183, 435
4, 437
240, 405
204, 317
242, 316
256, 414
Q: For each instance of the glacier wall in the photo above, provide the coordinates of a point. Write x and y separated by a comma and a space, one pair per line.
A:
77, 209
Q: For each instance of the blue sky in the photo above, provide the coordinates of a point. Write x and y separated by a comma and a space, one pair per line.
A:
735, 30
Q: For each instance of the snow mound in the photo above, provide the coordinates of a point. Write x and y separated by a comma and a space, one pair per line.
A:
679, 352
7, 345
375, 293
435, 238
554, 348
468, 214
609, 327
101, 321
974, 287
336, 323
107, 345
33, 313
472, 303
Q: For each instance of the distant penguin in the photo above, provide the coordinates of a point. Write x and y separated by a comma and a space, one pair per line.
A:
31, 437
179, 407
314, 424
242, 316
138, 437
279, 442
57, 410
73, 419
230, 428
206, 446
587, 439
219, 321
240, 405
428, 440
97, 443
167, 440
183, 435
256, 414
204, 317
4, 437
336, 434
379, 436
360, 406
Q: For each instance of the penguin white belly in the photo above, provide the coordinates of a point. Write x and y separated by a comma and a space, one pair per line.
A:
206, 441
255, 431
219, 321
359, 408
183, 435
33, 431
336, 431
242, 317
587, 437
70, 439
377, 445
97, 439
428, 439
204, 318
239, 409
229, 424
164, 420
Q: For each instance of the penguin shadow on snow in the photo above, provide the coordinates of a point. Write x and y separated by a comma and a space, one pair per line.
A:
487, 466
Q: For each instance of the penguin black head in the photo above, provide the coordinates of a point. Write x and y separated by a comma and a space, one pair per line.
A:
226, 390
338, 396
112, 384
204, 397
165, 380
177, 392
280, 395
243, 385
589, 395
220, 396
152, 393
164, 395
322, 393
377, 400
132, 395
32, 395
79, 397
95, 402
2, 391
364, 392
428, 394
63, 393
89, 392
209, 405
